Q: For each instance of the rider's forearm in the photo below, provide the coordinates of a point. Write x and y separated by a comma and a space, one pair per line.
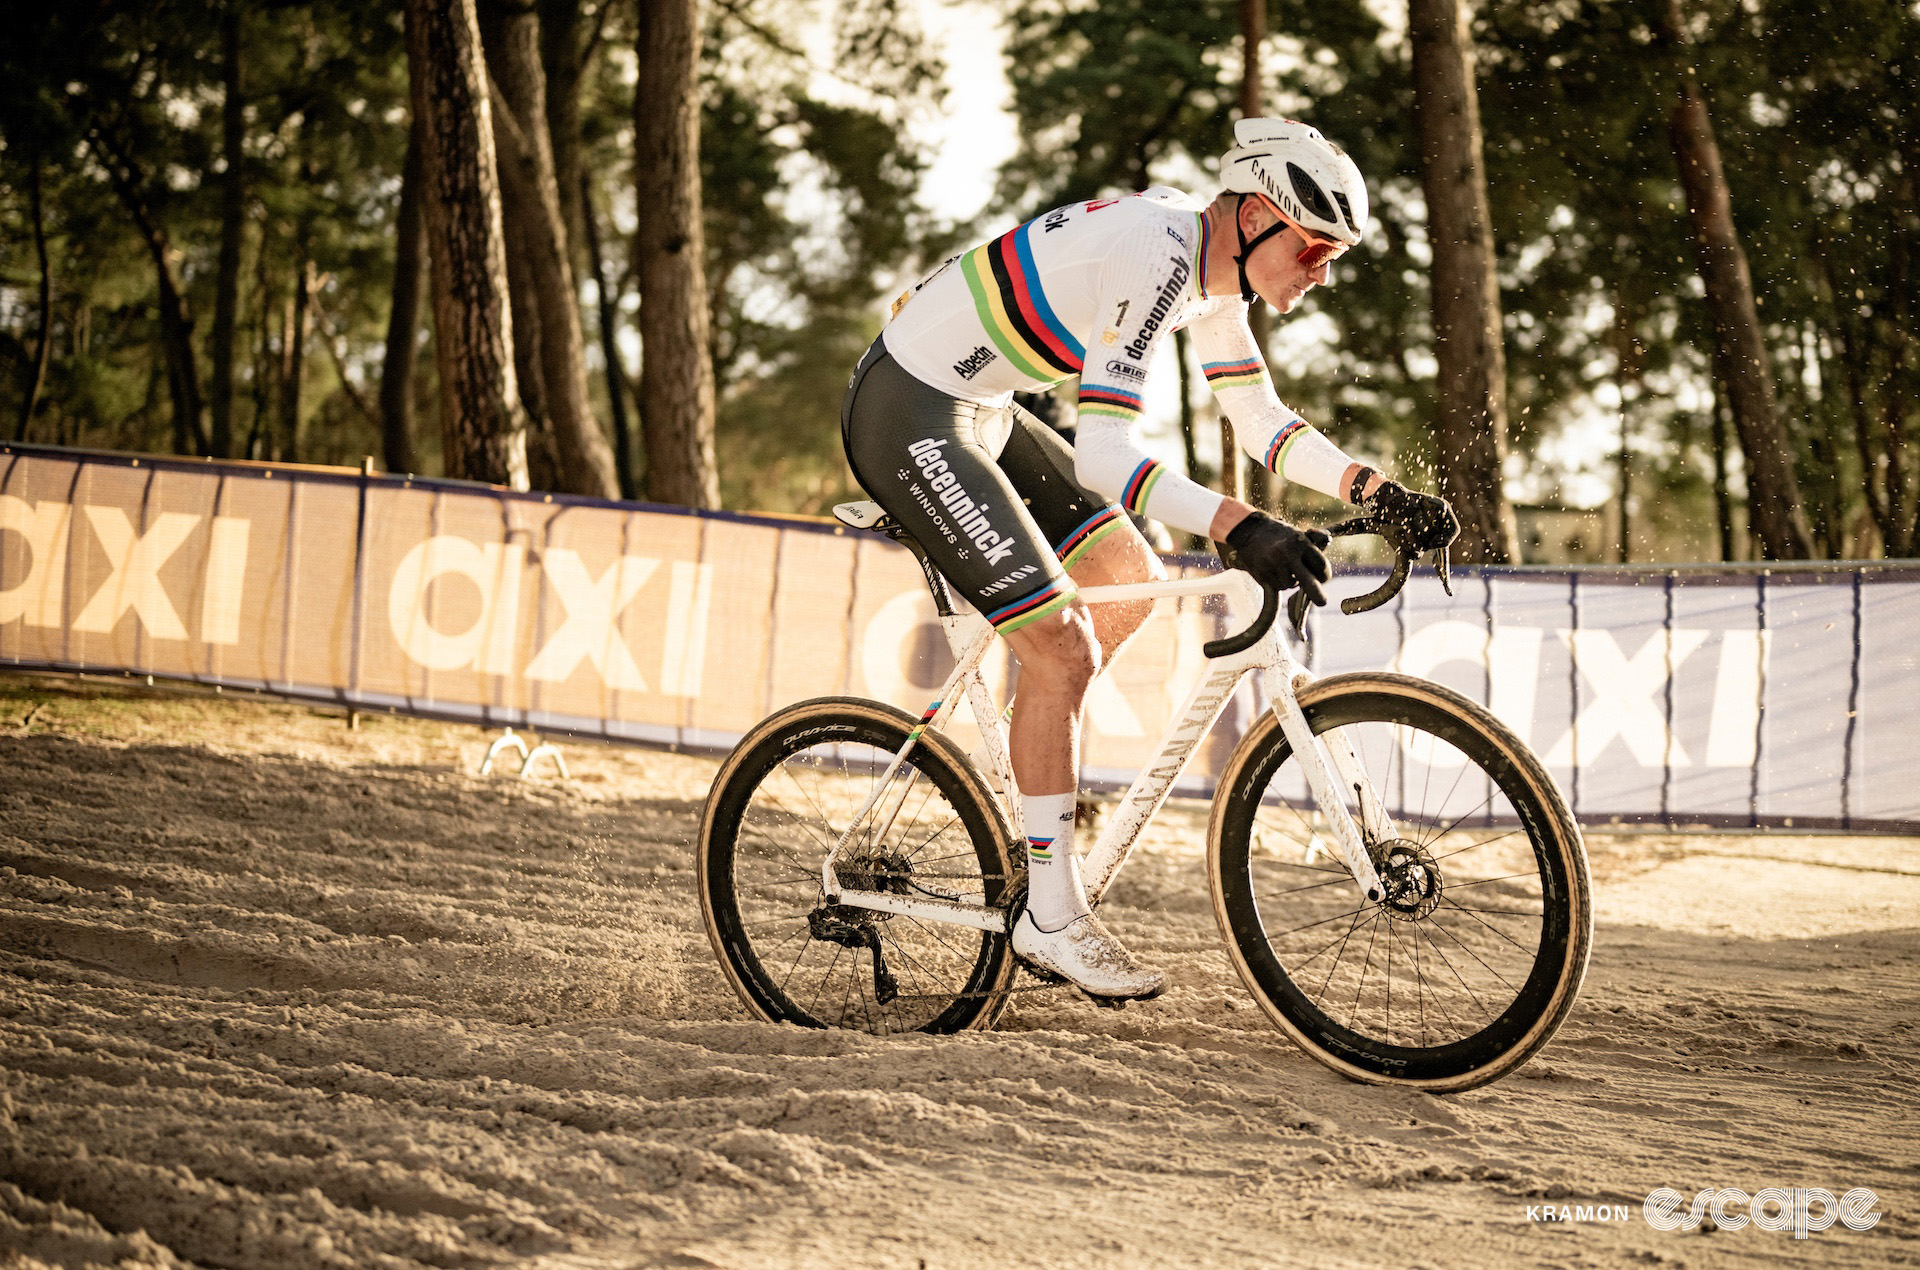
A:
1270, 432
1232, 512
1108, 460
1367, 489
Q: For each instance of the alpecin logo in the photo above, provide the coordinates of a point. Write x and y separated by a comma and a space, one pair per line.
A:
1129, 372
975, 362
970, 517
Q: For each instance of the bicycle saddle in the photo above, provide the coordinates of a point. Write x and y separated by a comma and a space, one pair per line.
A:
861, 515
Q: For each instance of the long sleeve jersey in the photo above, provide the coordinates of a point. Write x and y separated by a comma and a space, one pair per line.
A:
1089, 289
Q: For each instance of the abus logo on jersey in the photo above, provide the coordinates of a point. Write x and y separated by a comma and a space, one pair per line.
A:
1121, 368
971, 517
1162, 304
973, 363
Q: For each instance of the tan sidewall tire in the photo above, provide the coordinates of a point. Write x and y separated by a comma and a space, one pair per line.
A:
1570, 843
882, 715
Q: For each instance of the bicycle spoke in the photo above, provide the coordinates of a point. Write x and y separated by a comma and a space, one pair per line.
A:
1456, 821
1505, 877
1373, 933
934, 935
800, 916
1448, 963
1483, 921
1468, 949
808, 795
804, 824
1471, 845
1322, 922
1335, 963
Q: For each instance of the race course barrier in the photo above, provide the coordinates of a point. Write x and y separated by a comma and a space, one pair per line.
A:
1720, 696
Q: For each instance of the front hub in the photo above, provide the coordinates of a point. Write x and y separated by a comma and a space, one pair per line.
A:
1410, 878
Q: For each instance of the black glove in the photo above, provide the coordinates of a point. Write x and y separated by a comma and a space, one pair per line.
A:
1280, 556
1413, 522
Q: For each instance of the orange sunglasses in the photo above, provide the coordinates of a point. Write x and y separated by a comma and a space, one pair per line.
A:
1319, 250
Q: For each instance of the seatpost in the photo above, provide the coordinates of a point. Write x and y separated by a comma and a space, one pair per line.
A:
942, 598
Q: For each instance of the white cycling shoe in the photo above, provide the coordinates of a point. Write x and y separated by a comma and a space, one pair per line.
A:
1086, 954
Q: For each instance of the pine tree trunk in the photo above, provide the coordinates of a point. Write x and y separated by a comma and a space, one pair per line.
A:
233, 225
176, 322
30, 400
1471, 427
565, 49
609, 343
1253, 30
1189, 444
1629, 368
676, 373
532, 205
403, 320
1723, 496
543, 454
1774, 506
484, 434
293, 354
265, 381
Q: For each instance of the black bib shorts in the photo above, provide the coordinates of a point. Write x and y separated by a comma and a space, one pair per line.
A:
989, 492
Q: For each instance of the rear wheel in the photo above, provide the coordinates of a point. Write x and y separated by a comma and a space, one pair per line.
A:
1472, 958
786, 794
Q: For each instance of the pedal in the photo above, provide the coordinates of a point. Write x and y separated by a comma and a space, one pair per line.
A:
1107, 1003
1042, 973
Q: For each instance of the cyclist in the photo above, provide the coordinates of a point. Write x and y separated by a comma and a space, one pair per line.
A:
1014, 519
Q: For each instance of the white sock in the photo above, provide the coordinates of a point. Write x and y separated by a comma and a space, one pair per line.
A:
1055, 895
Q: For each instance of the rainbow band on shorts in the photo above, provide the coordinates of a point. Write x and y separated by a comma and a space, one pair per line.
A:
1081, 540
1050, 598
1040, 849
1133, 495
1249, 372
1284, 441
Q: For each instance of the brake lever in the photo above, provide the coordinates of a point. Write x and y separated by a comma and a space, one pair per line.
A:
1440, 567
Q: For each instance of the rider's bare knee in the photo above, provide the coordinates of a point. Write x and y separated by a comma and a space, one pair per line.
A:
1059, 650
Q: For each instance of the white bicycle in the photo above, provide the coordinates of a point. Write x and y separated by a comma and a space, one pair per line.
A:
1396, 875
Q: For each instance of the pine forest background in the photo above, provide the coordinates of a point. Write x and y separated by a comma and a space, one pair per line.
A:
218, 227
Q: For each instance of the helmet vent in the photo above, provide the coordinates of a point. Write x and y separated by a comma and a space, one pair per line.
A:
1346, 210
1311, 196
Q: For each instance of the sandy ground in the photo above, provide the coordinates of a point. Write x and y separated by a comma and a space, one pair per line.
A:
274, 993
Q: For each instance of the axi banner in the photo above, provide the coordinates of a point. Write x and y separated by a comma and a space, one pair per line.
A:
1718, 696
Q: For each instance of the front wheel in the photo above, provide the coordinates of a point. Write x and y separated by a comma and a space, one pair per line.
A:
1472, 958
789, 791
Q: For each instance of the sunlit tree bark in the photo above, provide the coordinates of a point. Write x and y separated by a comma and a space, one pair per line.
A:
482, 425
1470, 429
676, 371
1774, 505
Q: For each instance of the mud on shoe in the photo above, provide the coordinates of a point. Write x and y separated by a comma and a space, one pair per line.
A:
1088, 955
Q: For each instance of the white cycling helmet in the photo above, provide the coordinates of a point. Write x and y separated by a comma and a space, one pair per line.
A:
1304, 177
